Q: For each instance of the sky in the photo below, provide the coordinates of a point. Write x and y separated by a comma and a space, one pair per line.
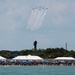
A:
57, 27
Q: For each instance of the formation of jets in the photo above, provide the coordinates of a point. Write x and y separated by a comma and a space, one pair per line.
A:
40, 8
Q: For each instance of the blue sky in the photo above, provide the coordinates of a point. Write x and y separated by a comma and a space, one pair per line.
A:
57, 28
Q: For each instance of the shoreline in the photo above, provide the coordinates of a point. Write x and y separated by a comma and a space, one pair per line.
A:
36, 65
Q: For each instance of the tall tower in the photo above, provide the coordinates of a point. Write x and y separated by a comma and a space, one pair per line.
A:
65, 46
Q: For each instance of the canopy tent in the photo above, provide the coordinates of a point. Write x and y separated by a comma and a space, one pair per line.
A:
64, 58
2, 58
29, 57
19, 58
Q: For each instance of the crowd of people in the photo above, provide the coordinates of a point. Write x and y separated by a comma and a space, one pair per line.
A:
37, 62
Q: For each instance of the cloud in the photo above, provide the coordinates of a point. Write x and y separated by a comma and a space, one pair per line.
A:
61, 12
12, 14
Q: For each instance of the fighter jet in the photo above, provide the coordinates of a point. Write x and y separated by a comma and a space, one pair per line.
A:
39, 8
46, 8
33, 8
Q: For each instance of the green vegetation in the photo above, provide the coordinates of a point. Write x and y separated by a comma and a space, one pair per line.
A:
48, 53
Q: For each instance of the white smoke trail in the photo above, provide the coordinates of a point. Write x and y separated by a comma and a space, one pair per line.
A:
33, 19
42, 18
30, 20
36, 19
39, 16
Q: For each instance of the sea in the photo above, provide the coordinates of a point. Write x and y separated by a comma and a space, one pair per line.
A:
37, 70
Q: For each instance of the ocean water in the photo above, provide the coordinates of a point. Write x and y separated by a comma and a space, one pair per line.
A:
37, 70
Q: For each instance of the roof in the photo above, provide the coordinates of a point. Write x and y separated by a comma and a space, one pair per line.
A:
2, 58
64, 58
28, 57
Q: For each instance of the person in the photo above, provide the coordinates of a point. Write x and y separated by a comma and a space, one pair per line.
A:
35, 44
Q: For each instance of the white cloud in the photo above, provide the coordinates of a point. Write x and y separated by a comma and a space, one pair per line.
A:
12, 14
61, 12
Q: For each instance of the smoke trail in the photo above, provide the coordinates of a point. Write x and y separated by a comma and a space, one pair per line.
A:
36, 19
39, 18
42, 18
37, 15
33, 19
30, 20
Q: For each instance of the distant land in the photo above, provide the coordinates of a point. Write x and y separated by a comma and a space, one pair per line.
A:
48, 53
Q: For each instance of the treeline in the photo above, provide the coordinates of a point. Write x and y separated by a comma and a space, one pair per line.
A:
48, 53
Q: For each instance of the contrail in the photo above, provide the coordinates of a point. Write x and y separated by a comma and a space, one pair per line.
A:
33, 18
36, 19
39, 17
30, 20
42, 18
